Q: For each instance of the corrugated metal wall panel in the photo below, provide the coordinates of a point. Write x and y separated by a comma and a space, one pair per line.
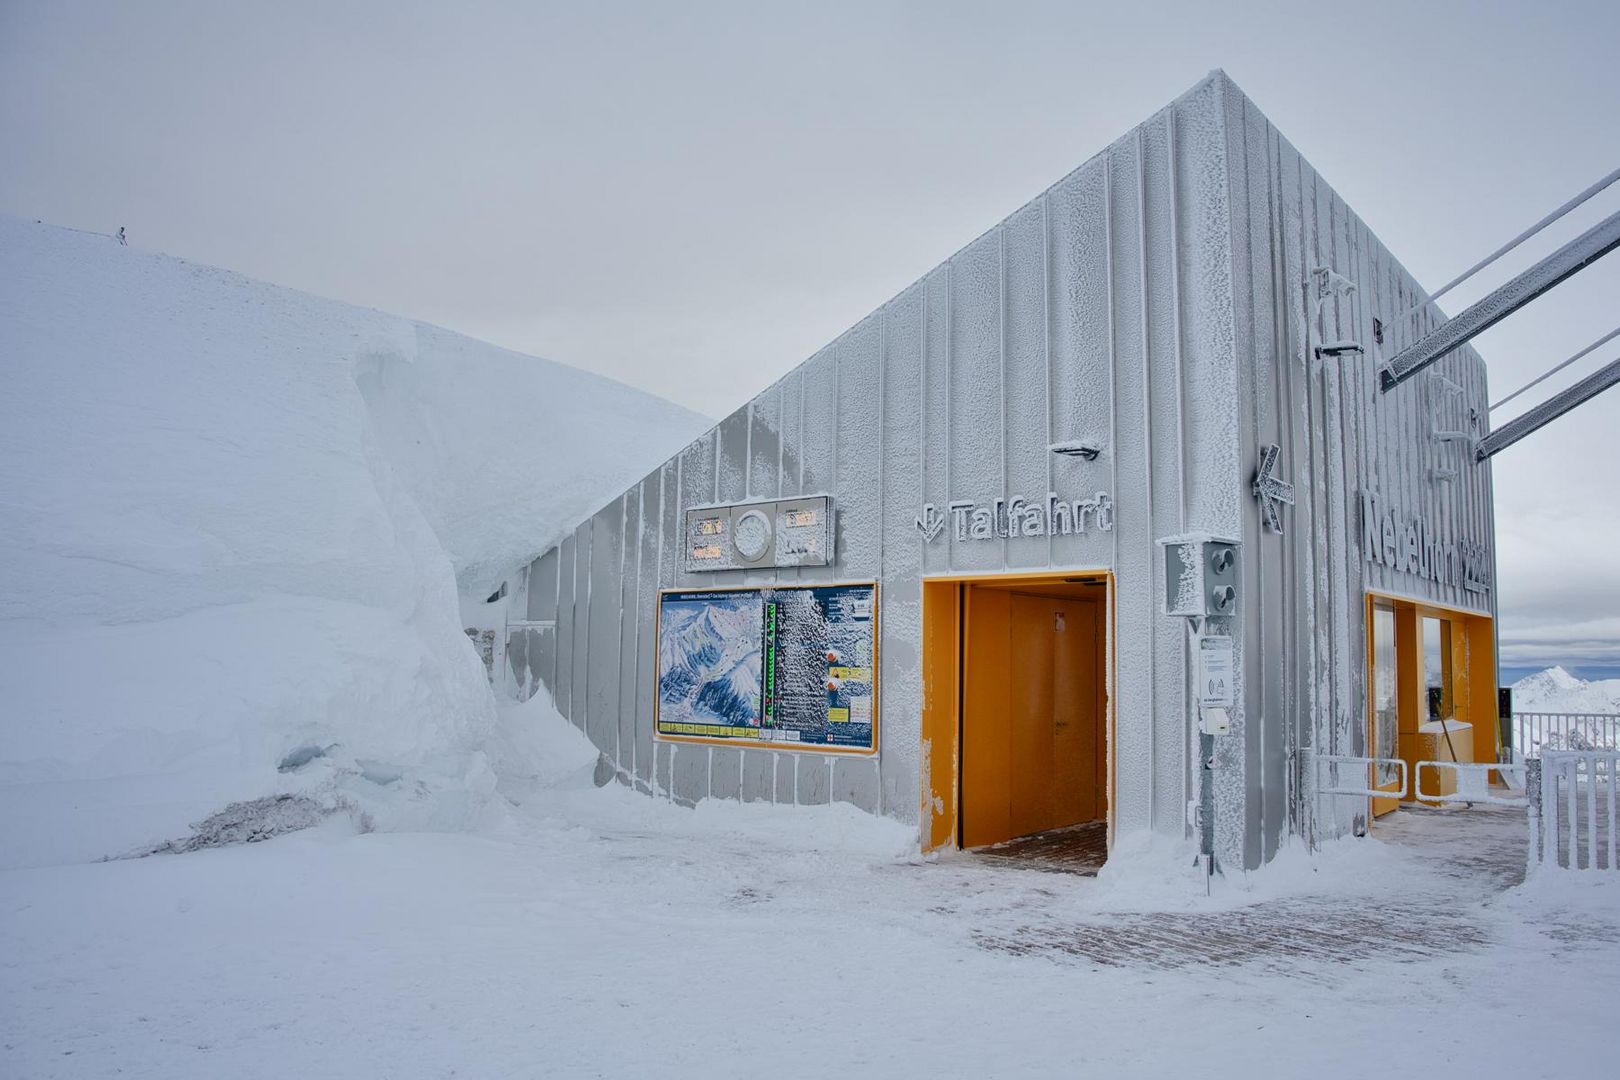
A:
629, 634
1340, 437
936, 407
601, 652
900, 599
695, 483
1081, 374
1164, 365
791, 390
977, 389
858, 456
1138, 574
731, 472
649, 568
1026, 382
1198, 405
542, 606
818, 442
1154, 300
765, 445
562, 690
1261, 740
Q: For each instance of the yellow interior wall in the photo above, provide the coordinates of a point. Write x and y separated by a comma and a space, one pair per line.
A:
1477, 679
1031, 716
986, 777
940, 679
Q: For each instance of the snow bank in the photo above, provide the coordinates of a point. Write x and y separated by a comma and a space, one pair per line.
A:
502, 451
1148, 872
549, 770
234, 519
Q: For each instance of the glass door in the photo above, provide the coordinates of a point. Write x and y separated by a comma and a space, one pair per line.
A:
1383, 739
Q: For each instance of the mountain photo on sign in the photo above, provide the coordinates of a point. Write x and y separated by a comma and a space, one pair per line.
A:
709, 659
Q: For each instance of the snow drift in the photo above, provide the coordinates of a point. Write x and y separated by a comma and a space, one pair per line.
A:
234, 520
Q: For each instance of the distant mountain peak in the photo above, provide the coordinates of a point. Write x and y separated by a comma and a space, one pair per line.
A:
1556, 689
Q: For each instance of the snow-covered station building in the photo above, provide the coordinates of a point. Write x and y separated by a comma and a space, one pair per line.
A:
1103, 526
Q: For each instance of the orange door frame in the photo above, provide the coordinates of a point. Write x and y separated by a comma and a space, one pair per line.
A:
1473, 681
943, 684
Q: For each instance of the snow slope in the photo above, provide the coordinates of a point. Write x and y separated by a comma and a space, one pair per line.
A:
1556, 690
234, 516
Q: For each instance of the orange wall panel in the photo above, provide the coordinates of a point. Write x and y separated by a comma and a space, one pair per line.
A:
986, 743
941, 674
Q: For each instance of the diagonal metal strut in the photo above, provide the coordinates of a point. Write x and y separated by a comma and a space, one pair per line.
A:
1549, 410
1570, 259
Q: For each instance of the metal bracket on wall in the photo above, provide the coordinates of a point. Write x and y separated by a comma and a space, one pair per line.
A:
1440, 391
1326, 284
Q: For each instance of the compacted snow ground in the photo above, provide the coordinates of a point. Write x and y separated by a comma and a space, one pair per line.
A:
602, 933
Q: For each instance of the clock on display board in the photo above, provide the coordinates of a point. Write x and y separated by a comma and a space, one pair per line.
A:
751, 534
791, 532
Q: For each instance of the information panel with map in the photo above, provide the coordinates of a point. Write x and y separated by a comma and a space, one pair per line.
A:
788, 666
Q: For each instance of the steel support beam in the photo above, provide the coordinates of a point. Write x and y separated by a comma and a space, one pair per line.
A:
1570, 259
1549, 410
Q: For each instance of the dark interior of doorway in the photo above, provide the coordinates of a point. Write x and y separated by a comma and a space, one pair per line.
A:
1033, 775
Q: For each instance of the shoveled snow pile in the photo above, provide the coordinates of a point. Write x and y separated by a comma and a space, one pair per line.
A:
1556, 690
234, 517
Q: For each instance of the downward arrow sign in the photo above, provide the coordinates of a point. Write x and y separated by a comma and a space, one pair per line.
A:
931, 522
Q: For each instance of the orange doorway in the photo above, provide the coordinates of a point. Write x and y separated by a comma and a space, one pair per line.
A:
1431, 693
1028, 704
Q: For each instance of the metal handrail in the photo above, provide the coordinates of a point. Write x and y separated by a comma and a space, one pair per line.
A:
1367, 764
1535, 732
1473, 782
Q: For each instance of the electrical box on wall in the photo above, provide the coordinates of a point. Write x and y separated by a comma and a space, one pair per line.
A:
1200, 576
743, 536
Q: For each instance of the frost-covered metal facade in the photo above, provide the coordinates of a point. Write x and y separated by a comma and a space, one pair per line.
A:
1163, 303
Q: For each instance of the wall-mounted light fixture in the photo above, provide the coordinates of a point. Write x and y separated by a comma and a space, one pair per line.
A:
1339, 348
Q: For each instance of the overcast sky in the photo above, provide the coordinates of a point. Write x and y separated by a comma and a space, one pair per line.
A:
692, 198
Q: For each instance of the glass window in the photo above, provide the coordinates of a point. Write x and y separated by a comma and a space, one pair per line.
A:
1386, 729
1437, 698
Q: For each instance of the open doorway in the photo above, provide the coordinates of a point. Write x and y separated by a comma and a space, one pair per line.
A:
1032, 776
1016, 717
1431, 696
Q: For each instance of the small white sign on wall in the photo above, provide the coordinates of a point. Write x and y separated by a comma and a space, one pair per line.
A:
1215, 674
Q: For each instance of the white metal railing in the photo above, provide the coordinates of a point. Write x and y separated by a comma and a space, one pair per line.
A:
1331, 781
1535, 732
1573, 797
1473, 782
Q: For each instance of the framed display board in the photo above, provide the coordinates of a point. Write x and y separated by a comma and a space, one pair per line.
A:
784, 666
